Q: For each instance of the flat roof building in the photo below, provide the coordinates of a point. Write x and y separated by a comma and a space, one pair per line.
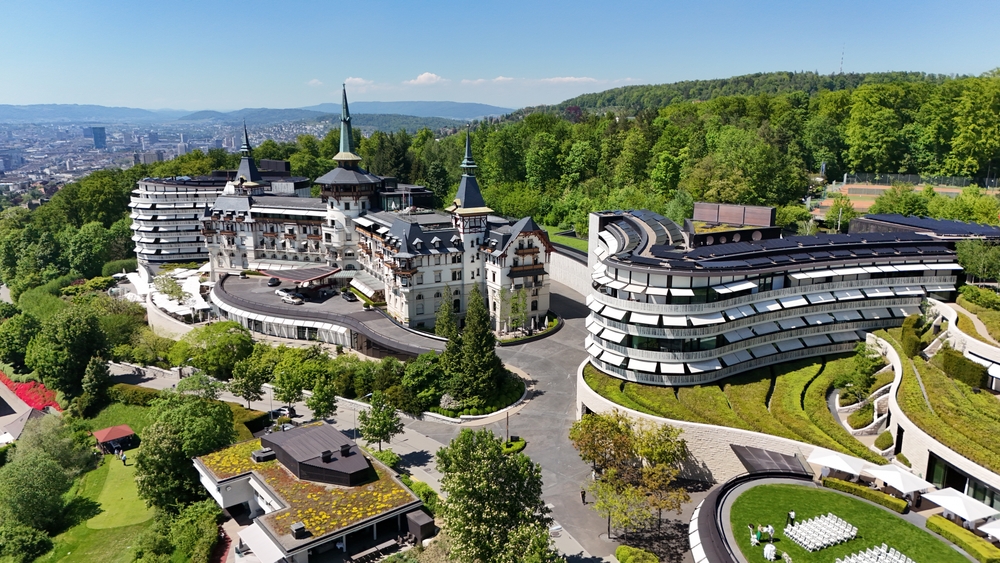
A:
664, 313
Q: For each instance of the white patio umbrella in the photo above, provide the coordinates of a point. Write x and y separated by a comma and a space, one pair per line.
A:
961, 504
991, 528
838, 461
898, 478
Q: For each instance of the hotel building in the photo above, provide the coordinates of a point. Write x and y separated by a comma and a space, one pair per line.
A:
664, 313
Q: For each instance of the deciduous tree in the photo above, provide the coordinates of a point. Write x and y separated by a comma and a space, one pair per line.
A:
379, 423
491, 498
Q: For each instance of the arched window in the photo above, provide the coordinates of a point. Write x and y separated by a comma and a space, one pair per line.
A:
456, 305
456, 292
437, 294
420, 296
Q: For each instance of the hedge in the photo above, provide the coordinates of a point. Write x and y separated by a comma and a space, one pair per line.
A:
911, 400
422, 490
514, 446
626, 554
980, 549
247, 421
884, 441
890, 502
748, 396
818, 410
902, 459
388, 457
957, 366
116, 267
128, 394
862, 417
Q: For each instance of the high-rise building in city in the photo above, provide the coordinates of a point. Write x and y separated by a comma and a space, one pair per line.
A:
100, 137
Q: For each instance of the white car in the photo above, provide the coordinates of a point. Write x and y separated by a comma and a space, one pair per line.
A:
291, 300
282, 292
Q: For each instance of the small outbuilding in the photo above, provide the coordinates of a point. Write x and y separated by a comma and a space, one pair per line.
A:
13, 430
116, 437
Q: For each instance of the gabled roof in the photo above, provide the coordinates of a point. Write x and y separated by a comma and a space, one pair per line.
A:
113, 433
500, 238
16, 426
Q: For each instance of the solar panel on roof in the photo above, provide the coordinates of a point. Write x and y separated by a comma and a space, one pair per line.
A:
780, 259
645, 260
775, 244
820, 255
862, 251
907, 250
723, 263
758, 261
800, 257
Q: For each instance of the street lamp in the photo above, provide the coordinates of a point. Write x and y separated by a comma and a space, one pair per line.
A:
356, 418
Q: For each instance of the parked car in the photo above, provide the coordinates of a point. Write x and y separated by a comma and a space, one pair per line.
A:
291, 300
273, 282
287, 411
349, 296
282, 292
243, 276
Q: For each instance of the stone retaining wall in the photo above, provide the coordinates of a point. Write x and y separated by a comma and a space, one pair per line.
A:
712, 458
569, 272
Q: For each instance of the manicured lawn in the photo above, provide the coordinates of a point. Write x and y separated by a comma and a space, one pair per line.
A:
787, 400
85, 544
138, 418
769, 504
989, 317
572, 242
119, 498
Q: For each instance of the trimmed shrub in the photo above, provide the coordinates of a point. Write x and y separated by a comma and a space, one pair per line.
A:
982, 550
911, 343
22, 543
423, 491
117, 266
514, 446
957, 366
884, 441
890, 502
862, 417
902, 459
387, 457
626, 554
247, 421
127, 394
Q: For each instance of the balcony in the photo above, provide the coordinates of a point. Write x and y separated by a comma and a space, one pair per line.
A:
314, 237
526, 251
226, 233
269, 234
291, 236
527, 270
716, 329
781, 335
208, 232
765, 295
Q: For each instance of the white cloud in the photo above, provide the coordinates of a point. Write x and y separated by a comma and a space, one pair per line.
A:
568, 79
358, 82
314, 82
479, 81
425, 79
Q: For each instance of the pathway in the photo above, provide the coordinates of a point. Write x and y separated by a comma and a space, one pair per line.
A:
980, 327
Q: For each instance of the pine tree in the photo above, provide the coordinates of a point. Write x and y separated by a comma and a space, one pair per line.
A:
481, 370
446, 325
96, 378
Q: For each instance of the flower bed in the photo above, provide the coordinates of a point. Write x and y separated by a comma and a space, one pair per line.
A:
33, 393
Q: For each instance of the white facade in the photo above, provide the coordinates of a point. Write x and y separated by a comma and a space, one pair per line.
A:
166, 218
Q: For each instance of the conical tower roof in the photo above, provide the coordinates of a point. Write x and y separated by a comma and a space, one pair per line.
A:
469, 195
346, 156
248, 168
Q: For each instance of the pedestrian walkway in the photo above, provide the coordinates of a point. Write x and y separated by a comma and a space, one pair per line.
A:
980, 327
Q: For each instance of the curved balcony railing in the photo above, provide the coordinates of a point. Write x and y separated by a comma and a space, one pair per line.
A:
711, 376
717, 329
779, 336
765, 295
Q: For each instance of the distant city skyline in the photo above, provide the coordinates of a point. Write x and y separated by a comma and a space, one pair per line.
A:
225, 56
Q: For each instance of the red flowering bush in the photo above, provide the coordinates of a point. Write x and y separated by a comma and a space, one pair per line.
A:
33, 393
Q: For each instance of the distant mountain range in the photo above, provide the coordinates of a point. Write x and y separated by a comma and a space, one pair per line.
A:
462, 111
55, 113
48, 113
379, 121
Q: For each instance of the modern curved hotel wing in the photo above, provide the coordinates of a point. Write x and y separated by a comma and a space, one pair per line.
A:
725, 295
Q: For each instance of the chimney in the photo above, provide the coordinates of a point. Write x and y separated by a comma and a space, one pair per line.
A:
299, 530
345, 450
327, 456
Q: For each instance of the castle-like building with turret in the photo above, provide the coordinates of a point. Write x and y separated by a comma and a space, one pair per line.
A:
386, 238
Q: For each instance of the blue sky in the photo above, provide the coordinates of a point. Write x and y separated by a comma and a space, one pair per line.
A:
205, 54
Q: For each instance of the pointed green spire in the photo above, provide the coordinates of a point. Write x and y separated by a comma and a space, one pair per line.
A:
245, 149
345, 125
468, 164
